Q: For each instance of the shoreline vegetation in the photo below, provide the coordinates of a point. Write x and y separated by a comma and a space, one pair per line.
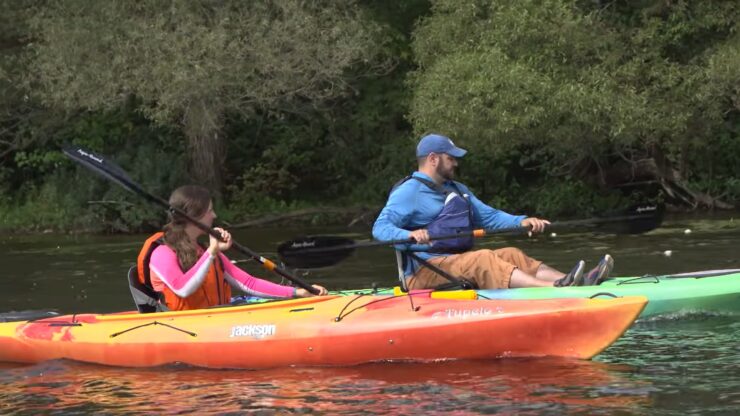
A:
362, 217
295, 113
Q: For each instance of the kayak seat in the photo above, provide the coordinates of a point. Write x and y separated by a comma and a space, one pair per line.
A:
145, 298
445, 286
401, 276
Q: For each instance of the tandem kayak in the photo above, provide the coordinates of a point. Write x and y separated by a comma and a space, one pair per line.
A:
330, 330
703, 291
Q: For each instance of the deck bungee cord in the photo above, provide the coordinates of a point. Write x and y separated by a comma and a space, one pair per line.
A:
115, 334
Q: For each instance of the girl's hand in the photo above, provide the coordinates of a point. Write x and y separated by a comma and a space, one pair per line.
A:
215, 246
303, 293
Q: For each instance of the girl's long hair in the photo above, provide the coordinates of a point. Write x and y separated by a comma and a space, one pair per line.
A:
194, 200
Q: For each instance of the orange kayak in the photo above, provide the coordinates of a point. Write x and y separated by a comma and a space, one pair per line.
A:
330, 330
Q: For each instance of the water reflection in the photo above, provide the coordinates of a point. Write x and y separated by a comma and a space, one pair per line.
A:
514, 386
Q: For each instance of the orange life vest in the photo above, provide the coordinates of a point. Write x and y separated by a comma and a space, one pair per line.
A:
214, 290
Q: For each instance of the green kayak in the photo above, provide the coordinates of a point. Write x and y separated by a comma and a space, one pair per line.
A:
704, 291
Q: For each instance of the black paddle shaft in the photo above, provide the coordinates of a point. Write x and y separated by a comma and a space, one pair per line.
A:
100, 165
322, 244
325, 250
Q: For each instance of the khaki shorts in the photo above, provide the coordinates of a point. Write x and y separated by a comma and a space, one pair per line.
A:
489, 269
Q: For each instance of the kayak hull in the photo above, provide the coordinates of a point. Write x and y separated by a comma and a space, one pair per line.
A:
704, 291
674, 294
333, 330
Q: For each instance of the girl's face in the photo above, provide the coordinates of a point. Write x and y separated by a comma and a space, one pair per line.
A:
209, 216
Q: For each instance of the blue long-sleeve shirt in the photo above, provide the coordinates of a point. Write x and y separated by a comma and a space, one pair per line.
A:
413, 205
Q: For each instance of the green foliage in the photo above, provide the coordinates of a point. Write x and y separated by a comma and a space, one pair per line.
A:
570, 198
235, 55
316, 104
346, 153
190, 62
717, 164
40, 161
41, 198
278, 82
561, 84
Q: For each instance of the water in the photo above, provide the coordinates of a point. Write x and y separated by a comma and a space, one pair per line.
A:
672, 365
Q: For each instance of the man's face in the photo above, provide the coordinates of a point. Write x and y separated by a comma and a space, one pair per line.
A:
446, 166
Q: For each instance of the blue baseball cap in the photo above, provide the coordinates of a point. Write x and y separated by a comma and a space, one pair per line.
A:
435, 143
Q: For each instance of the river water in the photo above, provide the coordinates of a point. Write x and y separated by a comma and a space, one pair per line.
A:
671, 365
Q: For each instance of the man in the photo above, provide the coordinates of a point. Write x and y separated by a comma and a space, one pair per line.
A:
429, 203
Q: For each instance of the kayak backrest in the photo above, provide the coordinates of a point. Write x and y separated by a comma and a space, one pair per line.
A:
401, 274
145, 298
454, 283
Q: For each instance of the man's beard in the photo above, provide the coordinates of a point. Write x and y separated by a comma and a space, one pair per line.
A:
446, 173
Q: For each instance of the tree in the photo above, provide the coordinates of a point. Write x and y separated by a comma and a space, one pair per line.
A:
13, 106
194, 62
580, 85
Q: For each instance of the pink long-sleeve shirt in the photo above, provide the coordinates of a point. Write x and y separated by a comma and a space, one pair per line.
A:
165, 270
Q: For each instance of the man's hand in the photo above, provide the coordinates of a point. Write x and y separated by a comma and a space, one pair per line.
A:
421, 236
536, 225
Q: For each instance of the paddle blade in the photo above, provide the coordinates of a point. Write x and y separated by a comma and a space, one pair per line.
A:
108, 169
315, 251
29, 315
637, 219
100, 165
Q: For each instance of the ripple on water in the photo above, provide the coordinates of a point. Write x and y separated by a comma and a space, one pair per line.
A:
683, 364
534, 386
692, 363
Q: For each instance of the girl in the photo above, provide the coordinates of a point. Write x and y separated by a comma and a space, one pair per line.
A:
190, 277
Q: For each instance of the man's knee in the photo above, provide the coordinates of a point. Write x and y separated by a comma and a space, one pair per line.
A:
482, 261
510, 254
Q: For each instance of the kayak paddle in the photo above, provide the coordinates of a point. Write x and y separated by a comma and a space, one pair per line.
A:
323, 251
104, 167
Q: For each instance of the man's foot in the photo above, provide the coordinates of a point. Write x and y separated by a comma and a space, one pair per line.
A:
599, 273
575, 275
